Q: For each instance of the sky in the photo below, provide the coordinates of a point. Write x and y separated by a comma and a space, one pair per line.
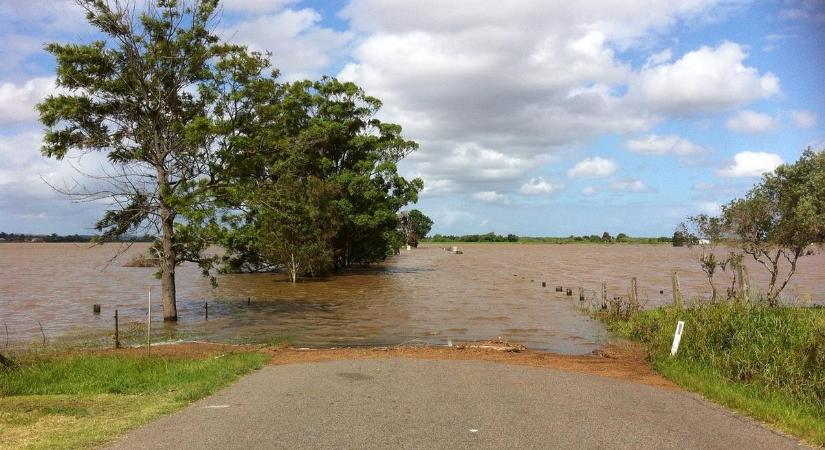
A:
533, 117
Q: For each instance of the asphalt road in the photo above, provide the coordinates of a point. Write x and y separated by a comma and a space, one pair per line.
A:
406, 403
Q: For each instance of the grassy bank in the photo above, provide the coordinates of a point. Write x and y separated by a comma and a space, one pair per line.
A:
768, 363
78, 400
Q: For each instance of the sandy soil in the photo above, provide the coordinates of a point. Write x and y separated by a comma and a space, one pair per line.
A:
623, 361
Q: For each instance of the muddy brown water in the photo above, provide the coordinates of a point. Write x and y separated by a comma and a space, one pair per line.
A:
427, 295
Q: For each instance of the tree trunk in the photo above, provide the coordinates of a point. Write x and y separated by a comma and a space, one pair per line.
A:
167, 266
293, 268
712, 288
168, 257
772, 295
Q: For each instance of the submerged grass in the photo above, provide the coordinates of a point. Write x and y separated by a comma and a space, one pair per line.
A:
768, 363
82, 400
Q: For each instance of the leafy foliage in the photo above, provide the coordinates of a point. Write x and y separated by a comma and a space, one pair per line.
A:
319, 170
781, 218
415, 226
132, 96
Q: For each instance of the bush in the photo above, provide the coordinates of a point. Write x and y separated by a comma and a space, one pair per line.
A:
778, 348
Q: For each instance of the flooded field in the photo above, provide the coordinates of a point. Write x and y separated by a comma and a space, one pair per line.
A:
426, 295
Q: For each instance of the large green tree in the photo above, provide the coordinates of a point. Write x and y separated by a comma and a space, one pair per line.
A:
324, 131
136, 96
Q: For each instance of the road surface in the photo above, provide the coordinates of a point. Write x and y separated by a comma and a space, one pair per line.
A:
408, 403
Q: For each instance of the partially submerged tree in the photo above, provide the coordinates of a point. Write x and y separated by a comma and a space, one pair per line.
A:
323, 131
297, 223
708, 232
134, 96
415, 226
681, 236
781, 218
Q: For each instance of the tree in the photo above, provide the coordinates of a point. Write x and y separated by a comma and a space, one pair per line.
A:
606, 237
415, 226
296, 225
326, 131
135, 97
781, 218
681, 236
708, 232
622, 237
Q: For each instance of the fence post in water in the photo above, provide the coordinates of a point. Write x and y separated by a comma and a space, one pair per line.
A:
117, 332
569, 292
744, 283
96, 308
543, 284
604, 295
677, 291
634, 294
581, 294
206, 310
248, 301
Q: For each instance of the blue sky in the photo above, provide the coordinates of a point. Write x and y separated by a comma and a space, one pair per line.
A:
534, 117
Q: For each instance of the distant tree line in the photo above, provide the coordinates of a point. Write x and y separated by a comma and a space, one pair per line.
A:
488, 237
593, 238
25, 237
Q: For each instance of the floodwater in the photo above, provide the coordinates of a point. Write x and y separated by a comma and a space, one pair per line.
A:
426, 295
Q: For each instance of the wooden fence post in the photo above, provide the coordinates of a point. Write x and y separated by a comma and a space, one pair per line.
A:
604, 295
744, 283
677, 291
634, 294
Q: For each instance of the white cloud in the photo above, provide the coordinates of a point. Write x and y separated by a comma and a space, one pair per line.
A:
659, 58
804, 119
751, 164
747, 121
255, 6
710, 208
703, 80
300, 46
654, 144
490, 197
540, 186
527, 80
628, 185
596, 167
590, 190
17, 102
451, 216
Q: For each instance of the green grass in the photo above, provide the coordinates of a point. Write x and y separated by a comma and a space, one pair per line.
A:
768, 363
82, 400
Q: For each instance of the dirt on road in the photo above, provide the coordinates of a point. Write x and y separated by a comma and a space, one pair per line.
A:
623, 361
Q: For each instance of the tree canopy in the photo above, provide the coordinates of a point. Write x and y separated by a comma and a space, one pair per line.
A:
778, 221
207, 146
781, 218
415, 226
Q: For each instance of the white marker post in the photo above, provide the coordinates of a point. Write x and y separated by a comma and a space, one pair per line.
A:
677, 337
149, 325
